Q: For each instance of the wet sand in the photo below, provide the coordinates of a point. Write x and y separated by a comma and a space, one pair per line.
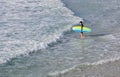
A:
109, 69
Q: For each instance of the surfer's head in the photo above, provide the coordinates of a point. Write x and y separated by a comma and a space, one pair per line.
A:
80, 21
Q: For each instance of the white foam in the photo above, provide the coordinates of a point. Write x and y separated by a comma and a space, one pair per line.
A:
103, 61
109, 37
31, 25
57, 73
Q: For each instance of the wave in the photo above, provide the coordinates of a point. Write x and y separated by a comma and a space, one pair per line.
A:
28, 26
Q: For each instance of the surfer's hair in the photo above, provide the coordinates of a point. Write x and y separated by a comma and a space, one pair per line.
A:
80, 21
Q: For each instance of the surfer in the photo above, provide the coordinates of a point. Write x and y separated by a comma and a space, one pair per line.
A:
81, 33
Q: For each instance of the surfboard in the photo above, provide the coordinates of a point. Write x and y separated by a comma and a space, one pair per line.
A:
77, 28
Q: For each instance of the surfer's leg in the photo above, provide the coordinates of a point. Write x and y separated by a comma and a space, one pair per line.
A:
81, 34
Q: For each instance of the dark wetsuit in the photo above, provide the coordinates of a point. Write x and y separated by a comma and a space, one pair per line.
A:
82, 27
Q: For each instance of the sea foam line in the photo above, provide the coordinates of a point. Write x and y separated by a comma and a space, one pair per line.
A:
81, 66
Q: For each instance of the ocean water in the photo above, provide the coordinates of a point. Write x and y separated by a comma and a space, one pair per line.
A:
36, 38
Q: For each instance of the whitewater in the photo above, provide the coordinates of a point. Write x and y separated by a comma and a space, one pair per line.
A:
28, 26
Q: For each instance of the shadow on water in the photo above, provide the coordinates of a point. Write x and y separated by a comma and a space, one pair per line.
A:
97, 35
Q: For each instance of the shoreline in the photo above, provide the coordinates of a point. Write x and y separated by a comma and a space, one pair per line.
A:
109, 68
